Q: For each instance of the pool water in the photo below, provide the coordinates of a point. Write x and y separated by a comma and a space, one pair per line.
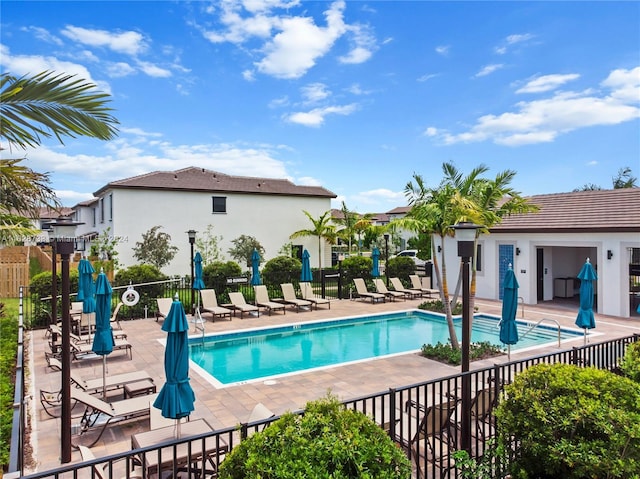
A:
257, 354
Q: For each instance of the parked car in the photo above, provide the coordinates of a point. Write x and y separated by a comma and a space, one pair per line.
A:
413, 254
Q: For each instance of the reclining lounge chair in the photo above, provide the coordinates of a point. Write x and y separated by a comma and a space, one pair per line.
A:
307, 293
210, 305
409, 293
262, 300
290, 297
240, 304
364, 293
382, 289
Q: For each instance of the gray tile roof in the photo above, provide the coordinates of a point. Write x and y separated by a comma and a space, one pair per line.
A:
580, 211
200, 179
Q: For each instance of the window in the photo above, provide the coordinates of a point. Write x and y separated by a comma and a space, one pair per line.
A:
110, 206
93, 216
479, 258
219, 204
101, 210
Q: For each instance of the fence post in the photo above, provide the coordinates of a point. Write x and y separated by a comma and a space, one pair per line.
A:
392, 413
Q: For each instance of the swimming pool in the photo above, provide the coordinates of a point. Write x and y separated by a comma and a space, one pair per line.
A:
248, 355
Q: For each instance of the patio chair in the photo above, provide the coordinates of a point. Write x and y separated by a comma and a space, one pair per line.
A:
54, 328
80, 350
416, 283
482, 405
210, 305
306, 291
95, 385
102, 471
240, 304
262, 300
114, 321
164, 306
434, 440
99, 414
408, 292
291, 299
364, 293
259, 413
382, 289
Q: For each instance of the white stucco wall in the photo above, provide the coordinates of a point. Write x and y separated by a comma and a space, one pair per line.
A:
268, 218
563, 256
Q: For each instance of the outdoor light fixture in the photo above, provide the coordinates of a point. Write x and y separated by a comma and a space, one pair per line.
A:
465, 233
192, 241
386, 258
62, 236
609, 254
517, 251
439, 249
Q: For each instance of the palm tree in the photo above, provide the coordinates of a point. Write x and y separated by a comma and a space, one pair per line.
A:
322, 229
34, 108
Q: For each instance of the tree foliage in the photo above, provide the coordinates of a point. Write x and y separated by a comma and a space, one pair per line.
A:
322, 229
571, 422
281, 269
328, 441
243, 247
155, 248
33, 108
208, 245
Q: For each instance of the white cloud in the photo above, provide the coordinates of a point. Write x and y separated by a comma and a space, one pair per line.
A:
364, 45
431, 131
427, 76
379, 196
315, 92
547, 83
513, 40
544, 120
356, 89
43, 35
443, 50
489, 69
154, 70
308, 181
279, 102
129, 43
316, 116
20, 65
120, 69
592, 163
248, 75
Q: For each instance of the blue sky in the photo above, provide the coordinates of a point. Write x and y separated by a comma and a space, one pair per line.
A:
355, 96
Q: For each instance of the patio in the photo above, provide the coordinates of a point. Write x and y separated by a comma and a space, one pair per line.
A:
229, 406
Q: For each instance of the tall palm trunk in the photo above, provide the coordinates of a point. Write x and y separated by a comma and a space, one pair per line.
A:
444, 291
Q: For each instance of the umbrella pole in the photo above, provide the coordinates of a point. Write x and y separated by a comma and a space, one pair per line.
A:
585, 336
177, 428
104, 376
509, 352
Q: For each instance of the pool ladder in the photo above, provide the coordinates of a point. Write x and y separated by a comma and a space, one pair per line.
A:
533, 326
198, 323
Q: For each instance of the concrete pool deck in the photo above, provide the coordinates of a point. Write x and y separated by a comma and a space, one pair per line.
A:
231, 405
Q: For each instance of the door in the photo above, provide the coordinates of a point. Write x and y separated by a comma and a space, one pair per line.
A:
505, 258
540, 274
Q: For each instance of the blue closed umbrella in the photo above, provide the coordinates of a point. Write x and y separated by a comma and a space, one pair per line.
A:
255, 265
103, 339
176, 396
586, 319
198, 282
375, 256
508, 328
306, 276
85, 287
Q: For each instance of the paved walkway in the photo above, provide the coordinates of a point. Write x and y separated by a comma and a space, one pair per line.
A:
231, 405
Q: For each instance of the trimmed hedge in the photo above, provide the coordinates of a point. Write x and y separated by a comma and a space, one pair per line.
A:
327, 442
571, 422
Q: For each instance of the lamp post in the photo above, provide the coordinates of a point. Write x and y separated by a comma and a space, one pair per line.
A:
466, 234
192, 241
386, 258
54, 283
62, 235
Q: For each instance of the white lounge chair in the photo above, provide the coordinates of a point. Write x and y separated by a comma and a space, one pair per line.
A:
364, 293
416, 283
164, 306
382, 289
210, 305
307, 293
240, 304
262, 300
409, 293
290, 297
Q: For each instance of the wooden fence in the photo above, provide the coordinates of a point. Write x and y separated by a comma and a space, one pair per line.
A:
14, 267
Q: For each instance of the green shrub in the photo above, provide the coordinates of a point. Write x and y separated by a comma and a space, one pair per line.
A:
40, 287
437, 306
327, 441
281, 269
401, 267
571, 422
630, 364
8, 350
355, 267
446, 354
141, 273
215, 276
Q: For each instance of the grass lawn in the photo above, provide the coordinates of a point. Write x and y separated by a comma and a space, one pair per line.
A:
8, 349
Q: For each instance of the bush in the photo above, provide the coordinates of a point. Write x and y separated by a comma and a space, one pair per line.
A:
401, 267
571, 422
446, 354
142, 273
215, 276
40, 287
437, 306
355, 267
281, 269
327, 441
8, 350
630, 364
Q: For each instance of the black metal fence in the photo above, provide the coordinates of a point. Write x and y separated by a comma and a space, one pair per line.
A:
410, 415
